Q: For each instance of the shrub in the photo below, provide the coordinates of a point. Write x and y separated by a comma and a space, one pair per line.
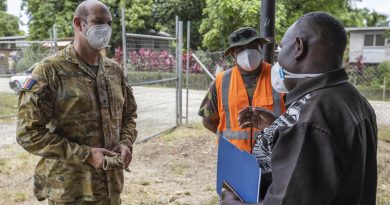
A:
196, 81
374, 92
384, 70
31, 55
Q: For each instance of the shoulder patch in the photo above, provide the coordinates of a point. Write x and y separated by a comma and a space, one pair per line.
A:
29, 84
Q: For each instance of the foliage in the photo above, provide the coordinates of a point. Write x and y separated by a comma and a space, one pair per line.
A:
238, 13
31, 55
196, 81
373, 92
354, 17
223, 17
139, 16
211, 20
150, 60
9, 24
142, 16
8, 104
384, 70
166, 11
3, 5
44, 14
370, 75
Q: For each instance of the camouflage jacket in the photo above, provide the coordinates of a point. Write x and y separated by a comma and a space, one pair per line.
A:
66, 109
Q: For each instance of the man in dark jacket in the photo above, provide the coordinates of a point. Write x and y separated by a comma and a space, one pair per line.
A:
323, 149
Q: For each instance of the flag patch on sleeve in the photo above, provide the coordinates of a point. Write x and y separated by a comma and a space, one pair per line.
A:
29, 84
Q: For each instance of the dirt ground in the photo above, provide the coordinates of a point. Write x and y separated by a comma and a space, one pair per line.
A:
176, 168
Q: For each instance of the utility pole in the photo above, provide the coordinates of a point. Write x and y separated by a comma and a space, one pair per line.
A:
267, 28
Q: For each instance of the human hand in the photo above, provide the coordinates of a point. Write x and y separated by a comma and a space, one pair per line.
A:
255, 117
229, 198
125, 152
96, 157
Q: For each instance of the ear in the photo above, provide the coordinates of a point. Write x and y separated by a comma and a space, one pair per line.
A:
300, 49
77, 23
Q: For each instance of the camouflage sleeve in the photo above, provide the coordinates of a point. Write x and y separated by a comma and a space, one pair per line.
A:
128, 132
36, 105
209, 106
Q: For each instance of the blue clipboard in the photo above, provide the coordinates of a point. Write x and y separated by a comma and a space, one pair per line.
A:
240, 170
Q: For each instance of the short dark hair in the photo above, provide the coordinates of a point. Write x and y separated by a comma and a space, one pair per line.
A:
326, 29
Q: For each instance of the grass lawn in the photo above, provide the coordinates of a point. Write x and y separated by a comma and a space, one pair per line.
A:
176, 168
8, 103
384, 133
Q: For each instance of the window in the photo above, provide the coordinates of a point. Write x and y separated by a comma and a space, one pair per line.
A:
379, 40
374, 40
369, 40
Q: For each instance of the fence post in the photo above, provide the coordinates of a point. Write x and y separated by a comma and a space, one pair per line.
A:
267, 26
188, 66
55, 38
124, 49
177, 70
180, 80
384, 88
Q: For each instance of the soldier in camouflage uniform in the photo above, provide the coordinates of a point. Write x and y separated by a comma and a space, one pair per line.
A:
75, 110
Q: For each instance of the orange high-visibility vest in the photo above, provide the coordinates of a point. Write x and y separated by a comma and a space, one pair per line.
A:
233, 97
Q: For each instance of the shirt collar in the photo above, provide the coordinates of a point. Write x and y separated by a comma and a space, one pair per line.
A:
309, 85
71, 56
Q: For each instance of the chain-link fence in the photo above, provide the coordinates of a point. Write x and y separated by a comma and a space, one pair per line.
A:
16, 58
151, 62
16, 62
370, 73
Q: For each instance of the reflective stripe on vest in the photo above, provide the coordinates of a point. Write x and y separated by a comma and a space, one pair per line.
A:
234, 135
225, 95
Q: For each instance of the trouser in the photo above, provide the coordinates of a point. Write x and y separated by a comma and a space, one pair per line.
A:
265, 182
116, 200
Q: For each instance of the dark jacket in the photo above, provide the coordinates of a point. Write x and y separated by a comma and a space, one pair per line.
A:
324, 147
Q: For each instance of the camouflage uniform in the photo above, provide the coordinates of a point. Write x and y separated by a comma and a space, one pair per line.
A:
67, 110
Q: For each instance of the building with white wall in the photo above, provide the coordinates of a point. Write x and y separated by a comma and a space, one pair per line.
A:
369, 42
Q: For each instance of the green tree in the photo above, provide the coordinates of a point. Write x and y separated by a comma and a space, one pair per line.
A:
223, 17
3, 5
166, 12
354, 17
142, 16
9, 24
44, 14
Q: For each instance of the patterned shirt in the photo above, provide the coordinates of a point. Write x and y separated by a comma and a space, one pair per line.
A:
265, 141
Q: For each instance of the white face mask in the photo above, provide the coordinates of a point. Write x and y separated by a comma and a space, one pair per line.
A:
278, 74
98, 36
249, 59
